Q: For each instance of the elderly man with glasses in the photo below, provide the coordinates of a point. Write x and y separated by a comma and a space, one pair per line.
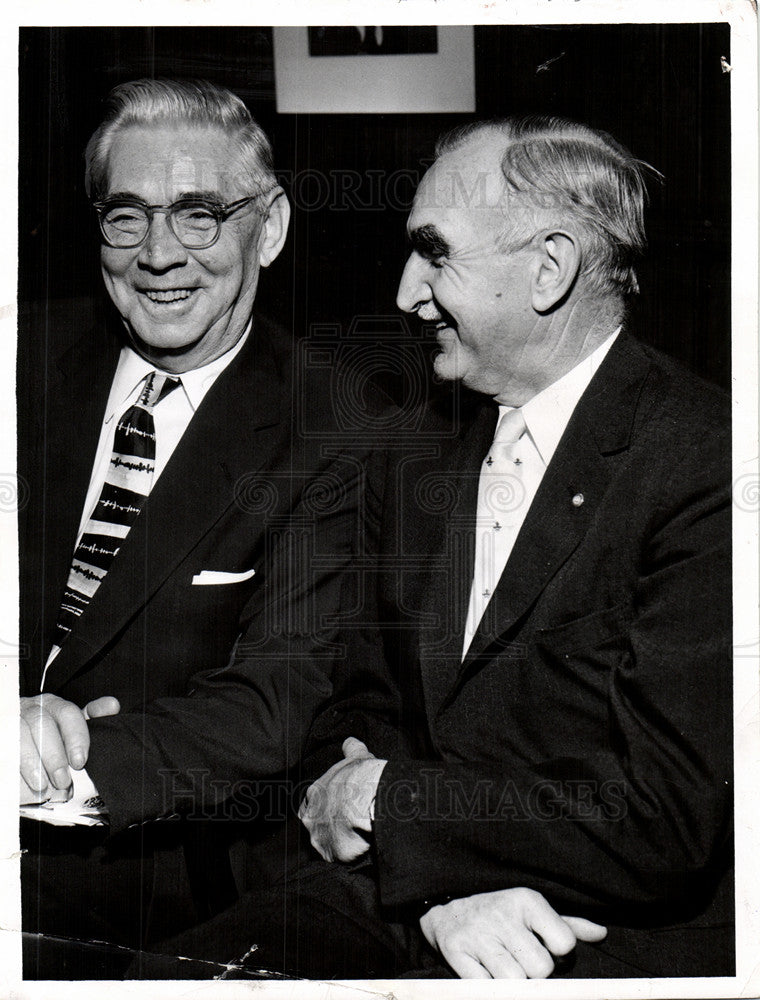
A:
191, 508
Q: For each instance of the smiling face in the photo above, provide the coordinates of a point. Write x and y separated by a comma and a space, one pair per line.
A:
458, 277
183, 308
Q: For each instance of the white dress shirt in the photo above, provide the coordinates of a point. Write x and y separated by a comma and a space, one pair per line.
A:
546, 417
171, 416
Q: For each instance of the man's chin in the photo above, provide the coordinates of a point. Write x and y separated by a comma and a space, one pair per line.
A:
172, 353
447, 367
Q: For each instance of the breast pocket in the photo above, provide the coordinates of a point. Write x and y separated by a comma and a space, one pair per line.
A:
210, 604
586, 633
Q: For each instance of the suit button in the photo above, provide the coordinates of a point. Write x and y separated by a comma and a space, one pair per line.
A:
578, 499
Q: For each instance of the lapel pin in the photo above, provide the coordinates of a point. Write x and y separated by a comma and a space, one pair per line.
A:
578, 499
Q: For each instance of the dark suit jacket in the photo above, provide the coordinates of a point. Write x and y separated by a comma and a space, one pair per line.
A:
217, 684
583, 748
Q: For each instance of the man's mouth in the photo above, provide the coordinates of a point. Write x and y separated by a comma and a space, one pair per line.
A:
168, 294
445, 331
435, 317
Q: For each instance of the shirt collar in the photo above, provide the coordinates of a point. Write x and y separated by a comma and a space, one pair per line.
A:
548, 413
197, 382
132, 369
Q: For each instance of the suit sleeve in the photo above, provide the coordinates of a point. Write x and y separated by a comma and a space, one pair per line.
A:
639, 822
367, 703
247, 722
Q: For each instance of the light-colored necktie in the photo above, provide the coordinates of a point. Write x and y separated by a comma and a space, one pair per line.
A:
127, 484
501, 495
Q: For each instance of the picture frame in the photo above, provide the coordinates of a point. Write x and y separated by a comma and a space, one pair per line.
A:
414, 82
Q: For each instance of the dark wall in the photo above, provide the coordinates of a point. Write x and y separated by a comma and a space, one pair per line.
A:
659, 89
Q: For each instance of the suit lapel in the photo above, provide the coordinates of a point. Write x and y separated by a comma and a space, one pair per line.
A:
452, 551
81, 383
567, 499
197, 486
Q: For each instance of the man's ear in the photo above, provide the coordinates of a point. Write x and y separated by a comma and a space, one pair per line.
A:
275, 229
559, 261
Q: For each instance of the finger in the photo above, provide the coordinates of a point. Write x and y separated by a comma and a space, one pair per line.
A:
355, 748
306, 816
585, 930
28, 796
543, 920
50, 747
60, 794
528, 952
321, 846
502, 965
485, 964
74, 735
427, 926
465, 966
334, 845
100, 707
33, 774
349, 847
308, 811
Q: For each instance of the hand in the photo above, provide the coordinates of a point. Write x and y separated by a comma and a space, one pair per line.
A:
54, 736
341, 803
508, 934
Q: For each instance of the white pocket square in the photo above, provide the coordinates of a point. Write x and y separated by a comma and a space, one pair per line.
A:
215, 577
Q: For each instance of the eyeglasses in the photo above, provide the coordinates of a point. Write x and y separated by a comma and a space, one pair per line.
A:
196, 223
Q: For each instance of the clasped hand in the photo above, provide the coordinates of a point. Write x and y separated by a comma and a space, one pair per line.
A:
55, 736
339, 807
506, 934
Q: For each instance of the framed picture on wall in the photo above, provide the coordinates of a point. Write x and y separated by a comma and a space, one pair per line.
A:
374, 68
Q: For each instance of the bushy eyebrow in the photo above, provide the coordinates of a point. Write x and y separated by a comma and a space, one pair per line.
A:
429, 242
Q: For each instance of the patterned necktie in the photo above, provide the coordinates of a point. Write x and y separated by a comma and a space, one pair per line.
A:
127, 484
500, 497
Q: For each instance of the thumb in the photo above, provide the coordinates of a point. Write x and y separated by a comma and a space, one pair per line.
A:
99, 707
355, 748
585, 930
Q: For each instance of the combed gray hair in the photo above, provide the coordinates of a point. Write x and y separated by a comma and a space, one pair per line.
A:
571, 171
179, 102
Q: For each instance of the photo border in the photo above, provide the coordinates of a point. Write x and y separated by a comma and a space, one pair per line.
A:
741, 15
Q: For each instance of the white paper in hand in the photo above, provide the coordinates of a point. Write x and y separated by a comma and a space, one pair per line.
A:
84, 808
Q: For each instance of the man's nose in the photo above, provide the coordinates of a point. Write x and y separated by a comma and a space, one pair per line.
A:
161, 248
413, 289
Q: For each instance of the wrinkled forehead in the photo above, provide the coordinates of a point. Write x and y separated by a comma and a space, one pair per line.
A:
174, 160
